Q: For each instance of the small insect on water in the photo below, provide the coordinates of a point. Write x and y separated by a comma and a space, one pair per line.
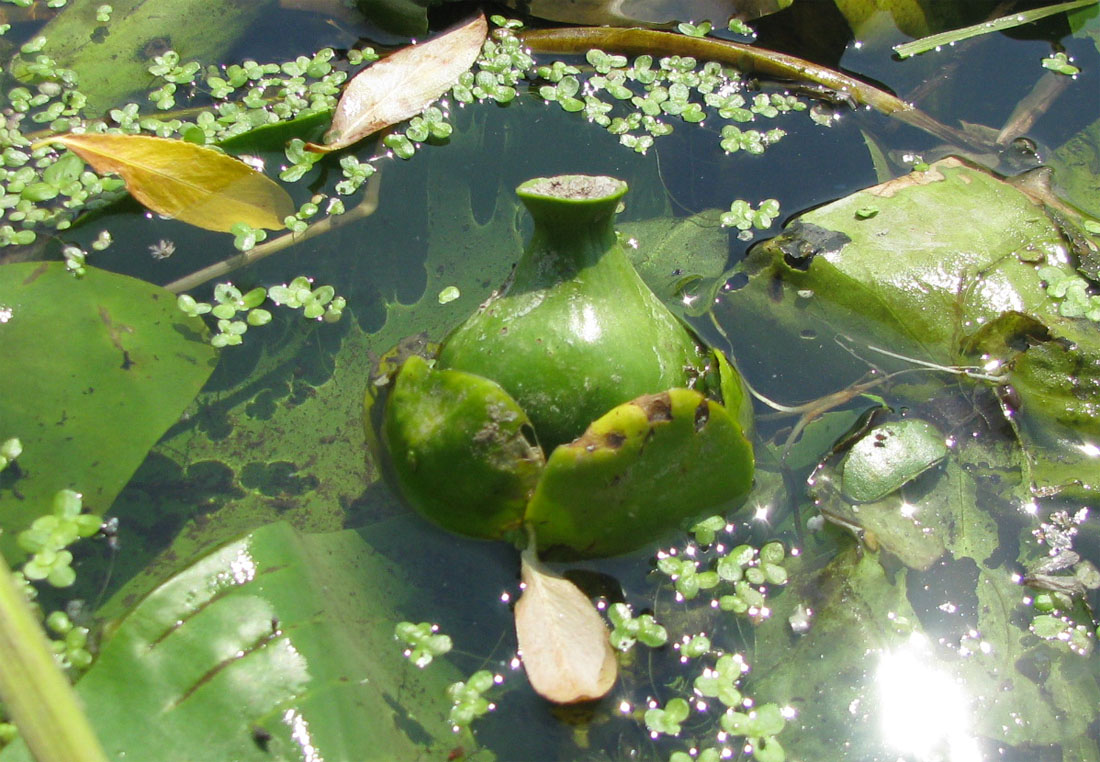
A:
162, 249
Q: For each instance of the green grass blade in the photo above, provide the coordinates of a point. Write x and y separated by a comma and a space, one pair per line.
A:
33, 688
924, 44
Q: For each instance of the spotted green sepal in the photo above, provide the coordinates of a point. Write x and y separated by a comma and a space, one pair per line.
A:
458, 449
640, 470
735, 393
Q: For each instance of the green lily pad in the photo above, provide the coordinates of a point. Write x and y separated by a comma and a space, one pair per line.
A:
112, 66
96, 370
638, 471
278, 646
681, 260
890, 456
458, 447
964, 292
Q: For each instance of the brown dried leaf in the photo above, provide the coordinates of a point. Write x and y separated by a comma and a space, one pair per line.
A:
402, 85
563, 641
190, 183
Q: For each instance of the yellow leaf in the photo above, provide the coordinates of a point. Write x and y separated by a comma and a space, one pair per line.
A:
403, 84
563, 640
187, 182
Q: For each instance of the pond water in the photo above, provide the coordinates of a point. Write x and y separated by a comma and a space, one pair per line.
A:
903, 635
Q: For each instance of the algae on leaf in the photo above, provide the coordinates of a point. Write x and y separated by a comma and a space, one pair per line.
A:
278, 646
96, 370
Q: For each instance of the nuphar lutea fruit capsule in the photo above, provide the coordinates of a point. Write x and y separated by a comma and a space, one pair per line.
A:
572, 400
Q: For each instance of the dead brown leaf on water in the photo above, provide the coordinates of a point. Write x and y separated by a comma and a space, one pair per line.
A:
403, 84
562, 638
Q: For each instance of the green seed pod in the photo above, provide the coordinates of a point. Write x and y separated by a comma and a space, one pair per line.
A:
573, 401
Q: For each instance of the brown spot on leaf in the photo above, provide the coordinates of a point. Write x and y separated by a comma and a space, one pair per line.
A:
657, 407
702, 415
613, 440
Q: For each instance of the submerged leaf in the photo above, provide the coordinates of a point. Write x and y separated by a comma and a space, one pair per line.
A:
190, 183
562, 639
889, 456
402, 85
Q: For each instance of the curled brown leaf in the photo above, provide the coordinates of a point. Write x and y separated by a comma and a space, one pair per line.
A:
403, 84
563, 641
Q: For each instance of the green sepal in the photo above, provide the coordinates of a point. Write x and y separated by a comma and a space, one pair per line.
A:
459, 449
640, 470
735, 393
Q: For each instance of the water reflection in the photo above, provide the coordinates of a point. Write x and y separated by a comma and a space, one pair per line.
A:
924, 712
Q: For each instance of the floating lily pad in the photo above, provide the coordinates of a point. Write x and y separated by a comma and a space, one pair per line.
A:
890, 456
965, 291
639, 471
680, 259
96, 370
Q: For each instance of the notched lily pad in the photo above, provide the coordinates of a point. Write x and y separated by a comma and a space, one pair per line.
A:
635, 471
458, 446
889, 456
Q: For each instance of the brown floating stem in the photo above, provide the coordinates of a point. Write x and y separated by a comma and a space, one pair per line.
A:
747, 58
364, 208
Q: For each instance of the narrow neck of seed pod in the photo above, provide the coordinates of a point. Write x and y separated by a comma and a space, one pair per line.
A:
574, 227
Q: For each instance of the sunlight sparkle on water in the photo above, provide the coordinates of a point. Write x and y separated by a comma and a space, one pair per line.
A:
923, 711
1088, 448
